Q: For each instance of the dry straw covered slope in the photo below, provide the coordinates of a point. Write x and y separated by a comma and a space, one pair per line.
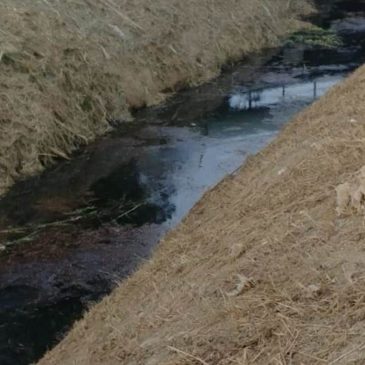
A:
66, 67
262, 271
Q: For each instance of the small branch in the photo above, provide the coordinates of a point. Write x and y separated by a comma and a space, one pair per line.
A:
129, 211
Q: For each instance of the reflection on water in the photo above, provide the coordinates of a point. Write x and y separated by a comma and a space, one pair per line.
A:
287, 93
179, 172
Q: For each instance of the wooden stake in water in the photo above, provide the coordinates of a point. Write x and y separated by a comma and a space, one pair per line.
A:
315, 90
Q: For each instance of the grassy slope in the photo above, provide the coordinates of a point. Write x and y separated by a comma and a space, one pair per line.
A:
302, 267
66, 67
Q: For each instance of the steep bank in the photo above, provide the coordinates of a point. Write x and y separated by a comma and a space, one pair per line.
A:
68, 68
263, 270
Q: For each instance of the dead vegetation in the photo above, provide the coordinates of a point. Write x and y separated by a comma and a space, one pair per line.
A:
262, 271
67, 67
351, 194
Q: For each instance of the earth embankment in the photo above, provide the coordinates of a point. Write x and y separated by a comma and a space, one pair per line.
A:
67, 69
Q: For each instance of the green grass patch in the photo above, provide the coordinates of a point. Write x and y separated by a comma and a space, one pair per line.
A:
315, 37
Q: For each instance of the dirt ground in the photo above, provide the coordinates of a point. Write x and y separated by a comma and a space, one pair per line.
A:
269, 268
69, 68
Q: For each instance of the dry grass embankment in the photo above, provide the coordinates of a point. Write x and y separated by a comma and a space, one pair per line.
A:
66, 67
262, 271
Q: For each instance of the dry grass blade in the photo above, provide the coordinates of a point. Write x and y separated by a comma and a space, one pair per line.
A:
113, 7
336, 361
186, 355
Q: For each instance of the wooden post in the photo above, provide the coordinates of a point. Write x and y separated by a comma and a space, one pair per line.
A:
315, 90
